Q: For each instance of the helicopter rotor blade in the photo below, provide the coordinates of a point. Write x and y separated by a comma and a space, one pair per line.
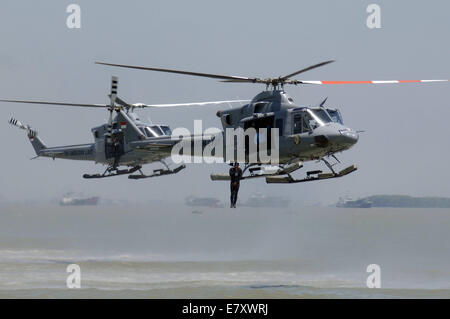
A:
207, 75
122, 102
367, 82
306, 69
188, 104
244, 81
268, 81
54, 103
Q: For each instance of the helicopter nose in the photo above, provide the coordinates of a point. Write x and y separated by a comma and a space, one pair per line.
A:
348, 136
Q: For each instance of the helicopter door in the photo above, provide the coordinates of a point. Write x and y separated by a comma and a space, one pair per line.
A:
264, 139
116, 147
99, 150
300, 121
279, 126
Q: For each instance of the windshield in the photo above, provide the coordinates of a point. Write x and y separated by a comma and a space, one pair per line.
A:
153, 131
335, 116
320, 116
166, 130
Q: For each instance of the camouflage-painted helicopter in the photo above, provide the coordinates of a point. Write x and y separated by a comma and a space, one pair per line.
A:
305, 133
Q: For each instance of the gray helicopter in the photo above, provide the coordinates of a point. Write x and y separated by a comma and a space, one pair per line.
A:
305, 133
314, 133
125, 140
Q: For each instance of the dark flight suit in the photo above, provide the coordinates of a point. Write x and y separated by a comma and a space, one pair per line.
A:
116, 148
235, 175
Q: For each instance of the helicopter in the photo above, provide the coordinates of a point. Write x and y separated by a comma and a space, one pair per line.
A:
305, 133
125, 140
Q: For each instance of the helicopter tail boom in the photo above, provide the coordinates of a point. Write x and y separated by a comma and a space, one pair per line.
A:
38, 145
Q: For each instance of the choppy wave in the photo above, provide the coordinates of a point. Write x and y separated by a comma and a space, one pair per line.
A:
317, 253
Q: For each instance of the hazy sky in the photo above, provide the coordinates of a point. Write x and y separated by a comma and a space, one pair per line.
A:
405, 148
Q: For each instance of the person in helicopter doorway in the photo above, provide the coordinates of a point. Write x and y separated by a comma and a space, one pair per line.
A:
235, 177
116, 150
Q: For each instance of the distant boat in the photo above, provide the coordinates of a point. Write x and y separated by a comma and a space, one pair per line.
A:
354, 203
203, 201
71, 200
260, 200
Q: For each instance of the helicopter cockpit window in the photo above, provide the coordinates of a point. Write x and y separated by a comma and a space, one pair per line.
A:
297, 123
259, 107
305, 126
148, 132
321, 117
301, 123
143, 131
335, 116
166, 130
158, 130
153, 131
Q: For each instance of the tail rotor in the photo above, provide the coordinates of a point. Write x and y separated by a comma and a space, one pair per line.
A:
30, 132
112, 96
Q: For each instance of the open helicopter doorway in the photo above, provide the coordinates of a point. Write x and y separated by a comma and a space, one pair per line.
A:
115, 147
263, 140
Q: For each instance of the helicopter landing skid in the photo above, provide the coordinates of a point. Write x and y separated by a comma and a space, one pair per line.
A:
257, 171
158, 172
109, 172
310, 176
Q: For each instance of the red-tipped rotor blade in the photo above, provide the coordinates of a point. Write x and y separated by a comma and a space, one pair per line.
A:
371, 82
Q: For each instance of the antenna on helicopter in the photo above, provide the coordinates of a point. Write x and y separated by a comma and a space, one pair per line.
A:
322, 104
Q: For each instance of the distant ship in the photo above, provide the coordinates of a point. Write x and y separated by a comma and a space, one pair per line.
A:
260, 200
354, 203
70, 199
203, 201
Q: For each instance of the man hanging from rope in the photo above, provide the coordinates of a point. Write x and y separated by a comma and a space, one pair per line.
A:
235, 177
